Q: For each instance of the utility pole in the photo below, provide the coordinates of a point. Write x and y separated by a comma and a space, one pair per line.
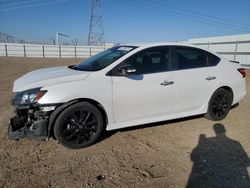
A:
96, 32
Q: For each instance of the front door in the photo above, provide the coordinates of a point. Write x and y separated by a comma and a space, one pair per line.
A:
148, 93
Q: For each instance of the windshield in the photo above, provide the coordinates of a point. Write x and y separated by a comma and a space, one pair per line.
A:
104, 59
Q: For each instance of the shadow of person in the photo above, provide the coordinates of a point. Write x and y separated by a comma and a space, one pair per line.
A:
219, 162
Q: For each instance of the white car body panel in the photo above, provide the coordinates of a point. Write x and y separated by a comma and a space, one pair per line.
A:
143, 96
122, 98
190, 80
229, 77
47, 76
95, 87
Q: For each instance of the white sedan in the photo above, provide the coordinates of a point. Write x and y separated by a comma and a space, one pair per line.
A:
124, 86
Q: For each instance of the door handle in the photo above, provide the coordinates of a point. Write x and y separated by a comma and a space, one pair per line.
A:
165, 83
211, 78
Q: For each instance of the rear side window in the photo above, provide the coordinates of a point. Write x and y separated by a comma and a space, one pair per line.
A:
189, 58
212, 59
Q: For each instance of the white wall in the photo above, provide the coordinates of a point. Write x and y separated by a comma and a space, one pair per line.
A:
48, 51
232, 47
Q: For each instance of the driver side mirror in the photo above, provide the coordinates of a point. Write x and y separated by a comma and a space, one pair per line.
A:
127, 70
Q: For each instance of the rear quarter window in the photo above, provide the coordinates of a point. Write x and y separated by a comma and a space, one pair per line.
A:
212, 60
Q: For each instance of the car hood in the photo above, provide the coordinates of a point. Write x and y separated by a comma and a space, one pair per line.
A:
48, 76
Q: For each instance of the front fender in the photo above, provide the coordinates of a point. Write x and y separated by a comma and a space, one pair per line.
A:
55, 114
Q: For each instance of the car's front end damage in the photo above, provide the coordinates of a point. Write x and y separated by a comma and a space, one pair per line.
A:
38, 101
31, 119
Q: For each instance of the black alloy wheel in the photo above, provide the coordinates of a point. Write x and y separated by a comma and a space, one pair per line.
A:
219, 105
79, 125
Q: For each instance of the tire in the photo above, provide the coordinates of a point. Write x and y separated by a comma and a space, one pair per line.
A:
219, 105
79, 125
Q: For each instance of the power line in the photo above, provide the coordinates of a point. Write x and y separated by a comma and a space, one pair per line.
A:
160, 10
17, 3
33, 5
202, 14
195, 18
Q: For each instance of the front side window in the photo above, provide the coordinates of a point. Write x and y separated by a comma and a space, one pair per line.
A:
151, 60
189, 58
104, 59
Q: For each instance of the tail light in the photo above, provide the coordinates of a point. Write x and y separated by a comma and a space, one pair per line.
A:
242, 72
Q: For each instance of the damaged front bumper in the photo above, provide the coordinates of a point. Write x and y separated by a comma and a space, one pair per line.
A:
30, 122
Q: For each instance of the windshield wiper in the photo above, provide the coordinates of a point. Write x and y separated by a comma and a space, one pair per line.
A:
73, 67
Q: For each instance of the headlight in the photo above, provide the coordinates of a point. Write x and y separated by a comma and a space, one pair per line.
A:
28, 96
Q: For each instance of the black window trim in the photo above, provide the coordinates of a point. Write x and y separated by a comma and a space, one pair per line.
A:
113, 71
204, 52
173, 60
219, 59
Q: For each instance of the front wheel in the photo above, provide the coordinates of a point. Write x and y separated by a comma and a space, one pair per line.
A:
219, 105
79, 125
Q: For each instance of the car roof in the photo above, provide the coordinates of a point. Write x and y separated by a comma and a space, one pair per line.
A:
148, 45
160, 44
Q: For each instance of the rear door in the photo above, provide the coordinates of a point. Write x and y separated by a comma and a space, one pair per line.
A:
195, 79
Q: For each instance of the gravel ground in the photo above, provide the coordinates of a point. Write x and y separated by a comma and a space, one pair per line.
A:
178, 153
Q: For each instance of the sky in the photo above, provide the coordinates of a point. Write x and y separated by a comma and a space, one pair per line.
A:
125, 21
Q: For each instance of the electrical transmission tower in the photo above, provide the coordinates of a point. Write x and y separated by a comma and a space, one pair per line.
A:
96, 32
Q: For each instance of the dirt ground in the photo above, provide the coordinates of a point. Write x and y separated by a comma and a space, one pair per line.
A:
178, 153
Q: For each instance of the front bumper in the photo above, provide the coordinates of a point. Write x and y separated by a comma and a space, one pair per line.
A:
18, 129
29, 122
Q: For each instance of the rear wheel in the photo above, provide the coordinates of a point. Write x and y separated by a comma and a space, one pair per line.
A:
219, 105
79, 125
